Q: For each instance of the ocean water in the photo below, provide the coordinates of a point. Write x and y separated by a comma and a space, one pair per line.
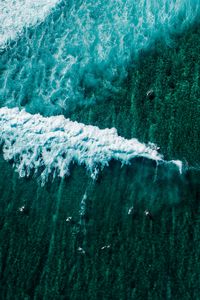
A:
99, 141
79, 54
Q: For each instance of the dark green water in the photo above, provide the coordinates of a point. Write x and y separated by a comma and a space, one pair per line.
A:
172, 118
146, 259
42, 256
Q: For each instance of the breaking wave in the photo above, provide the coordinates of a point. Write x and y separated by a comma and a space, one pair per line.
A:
56, 55
49, 145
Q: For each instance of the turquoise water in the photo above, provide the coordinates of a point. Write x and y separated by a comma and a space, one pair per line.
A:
80, 53
105, 204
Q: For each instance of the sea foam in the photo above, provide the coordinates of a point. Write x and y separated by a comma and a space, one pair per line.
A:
81, 52
49, 145
15, 15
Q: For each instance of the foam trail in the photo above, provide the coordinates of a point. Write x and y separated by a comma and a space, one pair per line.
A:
81, 52
15, 15
33, 142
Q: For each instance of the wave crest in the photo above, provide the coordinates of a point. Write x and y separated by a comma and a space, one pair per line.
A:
50, 145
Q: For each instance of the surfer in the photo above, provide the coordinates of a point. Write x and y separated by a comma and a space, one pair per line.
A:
131, 211
150, 94
71, 221
148, 214
24, 210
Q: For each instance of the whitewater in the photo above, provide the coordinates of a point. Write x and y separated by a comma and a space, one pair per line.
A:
32, 143
78, 54
17, 15
56, 56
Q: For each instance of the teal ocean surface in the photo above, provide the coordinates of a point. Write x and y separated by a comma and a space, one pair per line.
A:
99, 149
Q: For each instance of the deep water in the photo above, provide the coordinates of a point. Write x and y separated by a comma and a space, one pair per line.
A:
133, 232
109, 249
171, 119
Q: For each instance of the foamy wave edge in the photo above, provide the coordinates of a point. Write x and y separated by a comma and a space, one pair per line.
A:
16, 15
49, 145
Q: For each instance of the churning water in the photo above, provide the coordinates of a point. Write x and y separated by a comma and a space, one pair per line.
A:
74, 223
57, 55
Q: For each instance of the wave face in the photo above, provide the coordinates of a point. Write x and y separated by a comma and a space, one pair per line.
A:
80, 53
33, 142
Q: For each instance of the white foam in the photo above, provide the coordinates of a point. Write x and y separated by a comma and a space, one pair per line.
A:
81, 53
179, 165
17, 14
33, 142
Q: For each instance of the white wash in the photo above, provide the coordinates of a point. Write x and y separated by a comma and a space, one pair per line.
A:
51, 144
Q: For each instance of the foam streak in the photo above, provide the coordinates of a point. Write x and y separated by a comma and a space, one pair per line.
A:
33, 142
15, 15
81, 52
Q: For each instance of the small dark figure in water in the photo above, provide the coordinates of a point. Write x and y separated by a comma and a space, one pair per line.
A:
131, 211
148, 214
24, 210
81, 250
71, 221
150, 94
105, 247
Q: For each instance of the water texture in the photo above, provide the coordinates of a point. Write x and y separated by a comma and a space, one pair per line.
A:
15, 16
127, 75
33, 142
80, 53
